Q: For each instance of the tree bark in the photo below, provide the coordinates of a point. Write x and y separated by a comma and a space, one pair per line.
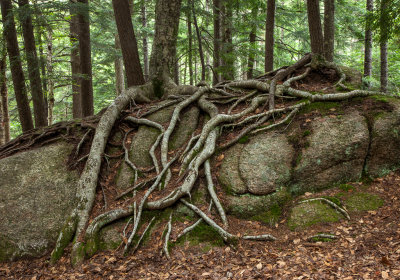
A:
314, 26
329, 29
86, 84
252, 46
368, 42
39, 107
269, 36
18, 77
75, 63
129, 48
217, 40
190, 42
145, 43
42, 65
119, 68
4, 116
383, 43
50, 81
228, 59
164, 45
203, 65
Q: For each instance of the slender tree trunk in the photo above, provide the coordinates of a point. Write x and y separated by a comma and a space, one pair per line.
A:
190, 40
269, 36
228, 59
329, 29
314, 26
42, 65
145, 43
383, 44
75, 63
18, 77
252, 46
368, 42
50, 81
129, 48
176, 70
203, 65
39, 108
217, 40
119, 68
164, 45
86, 84
4, 116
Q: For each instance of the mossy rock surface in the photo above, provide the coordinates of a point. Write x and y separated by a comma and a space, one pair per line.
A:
37, 193
361, 201
310, 213
248, 205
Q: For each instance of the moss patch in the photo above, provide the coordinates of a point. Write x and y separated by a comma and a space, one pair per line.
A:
270, 217
203, 233
363, 202
308, 214
322, 107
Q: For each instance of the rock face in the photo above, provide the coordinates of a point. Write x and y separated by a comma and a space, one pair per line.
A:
37, 193
330, 150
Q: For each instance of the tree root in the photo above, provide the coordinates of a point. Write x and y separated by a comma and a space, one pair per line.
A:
330, 203
320, 236
167, 235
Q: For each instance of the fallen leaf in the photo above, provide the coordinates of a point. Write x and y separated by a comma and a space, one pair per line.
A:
385, 275
220, 157
259, 266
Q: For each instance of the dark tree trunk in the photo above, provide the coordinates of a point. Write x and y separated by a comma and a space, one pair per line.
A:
252, 47
39, 107
4, 116
145, 44
228, 59
203, 65
269, 36
383, 44
314, 26
129, 48
217, 39
162, 59
86, 84
75, 64
42, 65
329, 29
49, 65
368, 42
190, 41
18, 77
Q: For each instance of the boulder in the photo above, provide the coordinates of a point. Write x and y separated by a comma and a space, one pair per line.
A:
37, 193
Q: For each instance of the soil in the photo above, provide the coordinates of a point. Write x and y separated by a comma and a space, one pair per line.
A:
368, 247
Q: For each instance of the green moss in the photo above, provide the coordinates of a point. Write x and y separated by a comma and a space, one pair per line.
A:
346, 187
308, 214
333, 199
270, 217
322, 107
158, 88
203, 233
306, 133
66, 235
382, 98
363, 202
244, 139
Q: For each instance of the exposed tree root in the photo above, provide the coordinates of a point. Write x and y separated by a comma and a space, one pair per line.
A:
321, 236
330, 203
196, 154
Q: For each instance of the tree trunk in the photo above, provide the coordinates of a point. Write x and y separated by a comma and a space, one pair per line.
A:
50, 81
329, 29
119, 68
145, 44
4, 116
190, 40
39, 108
314, 26
129, 48
164, 45
269, 36
368, 42
42, 65
75, 64
252, 46
86, 84
228, 59
18, 77
203, 65
383, 24
217, 40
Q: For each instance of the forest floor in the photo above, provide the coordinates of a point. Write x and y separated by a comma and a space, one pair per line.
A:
368, 247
